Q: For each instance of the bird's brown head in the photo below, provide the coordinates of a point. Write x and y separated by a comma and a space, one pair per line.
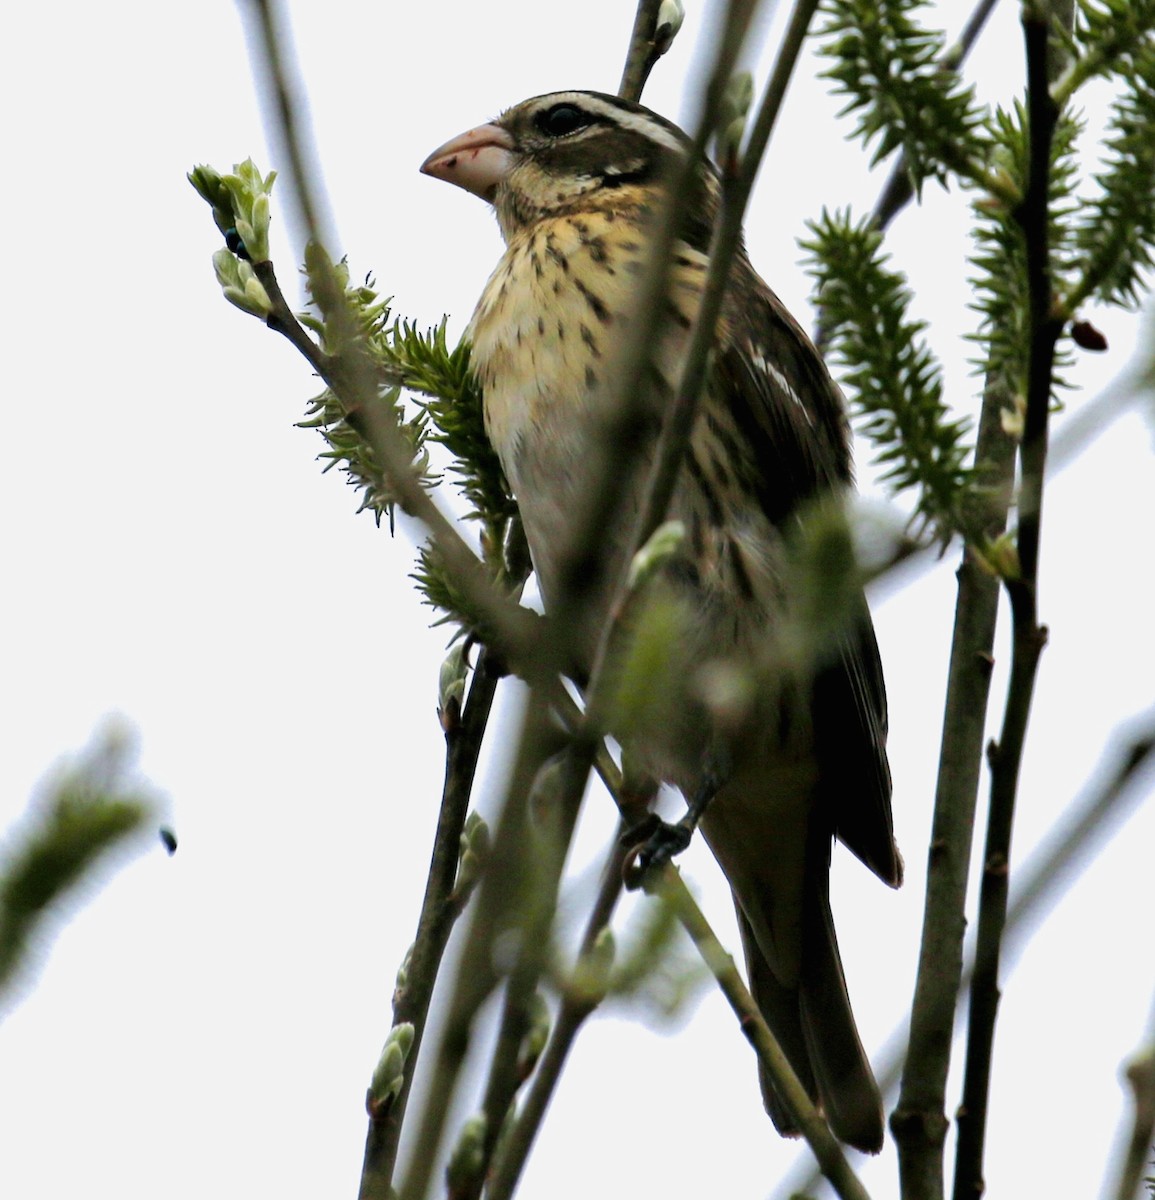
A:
558, 152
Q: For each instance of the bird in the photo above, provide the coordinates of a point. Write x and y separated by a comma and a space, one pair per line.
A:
577, 180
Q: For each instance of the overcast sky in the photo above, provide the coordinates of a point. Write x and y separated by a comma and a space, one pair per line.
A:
207, 1024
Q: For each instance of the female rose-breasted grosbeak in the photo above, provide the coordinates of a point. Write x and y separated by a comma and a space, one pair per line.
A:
576, 179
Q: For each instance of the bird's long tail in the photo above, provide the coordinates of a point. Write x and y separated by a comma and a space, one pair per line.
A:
814, 1024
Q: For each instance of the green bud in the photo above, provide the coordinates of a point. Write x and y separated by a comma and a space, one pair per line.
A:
591, 980
451, 686
475, 843
210, 187
207, 181
727, 690
650, 664
1001, 557
402, 976
389, 1074
467, 1160
660, 547
536, 1036
240, 284
227, 269
547, 789
249, 192
671, 14
1014, 420
736, 101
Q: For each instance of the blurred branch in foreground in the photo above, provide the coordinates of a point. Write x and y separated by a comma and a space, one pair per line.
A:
84, 812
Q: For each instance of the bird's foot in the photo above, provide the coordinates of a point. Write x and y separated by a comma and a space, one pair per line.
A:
655, 842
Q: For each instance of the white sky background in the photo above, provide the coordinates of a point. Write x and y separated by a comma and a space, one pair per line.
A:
207, 1025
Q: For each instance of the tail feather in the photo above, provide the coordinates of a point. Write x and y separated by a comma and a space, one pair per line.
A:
846, 1084
815, 1027
783, 1014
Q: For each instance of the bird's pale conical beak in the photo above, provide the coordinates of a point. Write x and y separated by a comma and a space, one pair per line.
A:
477, 161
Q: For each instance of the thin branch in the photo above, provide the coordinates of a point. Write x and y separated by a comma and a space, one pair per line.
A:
679, 420
1028, 637
352, 378
577, 1004
1136, 1156
439, 912
643, 52
727, 236
1080, 834
831, 1159
625, 423
273, 54
501, 906
919, 1122
557, 810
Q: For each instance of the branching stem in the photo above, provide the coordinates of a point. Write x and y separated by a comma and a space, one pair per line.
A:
1028, 637
439, 911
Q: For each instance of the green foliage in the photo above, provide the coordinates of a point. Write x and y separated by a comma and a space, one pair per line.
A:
1105, 38
895, 381
999, 259
427, 389
240, 204
87, 810
887, 65
453, 403
1116, 229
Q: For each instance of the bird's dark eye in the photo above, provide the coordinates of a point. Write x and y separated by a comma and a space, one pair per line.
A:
563, 119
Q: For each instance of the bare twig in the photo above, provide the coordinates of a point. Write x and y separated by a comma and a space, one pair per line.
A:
439, 911
810, 1121
919, 1122
272, 54
577, 1004
679, 421
643, 52
1028, 637
1136, 1156
1052, 870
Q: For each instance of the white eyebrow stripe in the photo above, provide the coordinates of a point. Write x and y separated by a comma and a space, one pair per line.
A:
655, 131
636, 122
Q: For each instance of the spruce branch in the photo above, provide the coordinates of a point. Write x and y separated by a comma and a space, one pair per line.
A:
898, 191
895, 381
889, 68
1115, 232
999, 260
1103, 41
